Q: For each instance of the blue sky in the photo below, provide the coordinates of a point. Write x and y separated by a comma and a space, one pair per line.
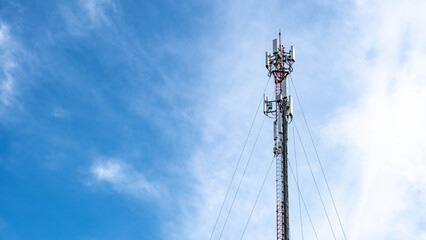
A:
124, 120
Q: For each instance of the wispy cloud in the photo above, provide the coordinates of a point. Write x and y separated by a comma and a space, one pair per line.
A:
383, 131
59, 112
8, 63
123, 178
87, 15
96, 10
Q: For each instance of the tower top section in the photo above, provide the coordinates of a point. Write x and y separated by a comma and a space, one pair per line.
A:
279, 62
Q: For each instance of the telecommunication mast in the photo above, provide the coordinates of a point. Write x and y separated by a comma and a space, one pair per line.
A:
279, 64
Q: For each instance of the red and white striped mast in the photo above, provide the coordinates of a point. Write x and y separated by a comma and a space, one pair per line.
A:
279, 65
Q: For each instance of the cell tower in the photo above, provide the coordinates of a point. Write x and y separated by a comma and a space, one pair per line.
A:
279, 64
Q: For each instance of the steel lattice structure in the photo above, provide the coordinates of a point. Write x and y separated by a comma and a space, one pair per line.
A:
279, 65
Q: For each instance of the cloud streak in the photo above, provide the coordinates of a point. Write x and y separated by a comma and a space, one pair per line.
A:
382, 132
95, 10
8, 63
87, 15
122, 178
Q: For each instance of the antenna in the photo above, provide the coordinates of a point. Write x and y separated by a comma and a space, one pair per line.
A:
279, 64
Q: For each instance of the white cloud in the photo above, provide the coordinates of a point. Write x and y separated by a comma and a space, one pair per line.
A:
8, 49
123, 178
383, 131
4, 34
87, 15
59, 112
95, 10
